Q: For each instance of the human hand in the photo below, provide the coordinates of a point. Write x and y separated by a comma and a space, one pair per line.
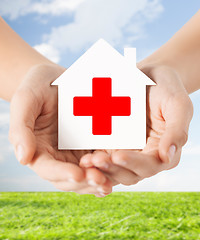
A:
33, 132
169, 112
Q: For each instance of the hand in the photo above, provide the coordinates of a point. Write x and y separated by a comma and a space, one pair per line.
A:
169, 112
33, 132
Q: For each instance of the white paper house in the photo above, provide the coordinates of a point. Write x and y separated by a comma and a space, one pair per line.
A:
103, 77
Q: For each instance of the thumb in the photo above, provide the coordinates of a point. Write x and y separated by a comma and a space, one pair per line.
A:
178, 114
23, 110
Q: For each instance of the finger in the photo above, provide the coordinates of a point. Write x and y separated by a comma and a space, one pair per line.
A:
99, 157
95, 177
23, 112
177, 114
101, 191
54, 170
118, 174
101, 195
143, 165
68, 186
79, 153
115, 173
84, 187
79, 188
86, 161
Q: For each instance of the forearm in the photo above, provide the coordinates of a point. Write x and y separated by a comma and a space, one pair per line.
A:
182, 52
16, 58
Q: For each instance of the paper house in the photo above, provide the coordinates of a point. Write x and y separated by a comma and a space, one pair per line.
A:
102, 101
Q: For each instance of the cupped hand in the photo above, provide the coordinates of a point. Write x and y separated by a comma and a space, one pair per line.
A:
34, 134
169, 112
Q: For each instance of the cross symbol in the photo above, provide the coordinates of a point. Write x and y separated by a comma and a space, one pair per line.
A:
102, 106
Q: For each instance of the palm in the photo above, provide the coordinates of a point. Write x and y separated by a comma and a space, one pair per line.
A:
166, 103
160, 102
46, 131
155, 125
34, 110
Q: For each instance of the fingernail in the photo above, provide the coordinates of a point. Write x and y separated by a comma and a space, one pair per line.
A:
171, 152
102, 194
92, 183
105, 165
124, 163
71, 180
19, 153
86, 164
100, 190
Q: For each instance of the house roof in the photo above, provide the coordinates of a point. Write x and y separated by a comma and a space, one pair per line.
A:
103, 56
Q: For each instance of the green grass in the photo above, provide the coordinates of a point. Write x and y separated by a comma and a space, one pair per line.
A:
118, 216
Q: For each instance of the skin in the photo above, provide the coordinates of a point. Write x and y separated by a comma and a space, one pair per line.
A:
181, 53
16, 59
169, 112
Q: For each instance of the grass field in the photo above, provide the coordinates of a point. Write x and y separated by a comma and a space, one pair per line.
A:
118, 216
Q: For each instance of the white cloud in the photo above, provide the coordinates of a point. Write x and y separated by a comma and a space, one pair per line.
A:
190, 149
13, 9
48, 51
4, 118
111, 20
5, 146
185, 177
195, 96
17, 8
4, 114
117, 21
28, 183
55, 7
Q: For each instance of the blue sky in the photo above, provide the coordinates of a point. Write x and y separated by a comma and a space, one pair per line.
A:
63, 30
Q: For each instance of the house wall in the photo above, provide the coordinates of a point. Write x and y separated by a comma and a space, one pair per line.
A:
128, 132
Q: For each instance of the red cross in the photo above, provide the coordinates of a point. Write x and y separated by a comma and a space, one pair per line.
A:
102, 106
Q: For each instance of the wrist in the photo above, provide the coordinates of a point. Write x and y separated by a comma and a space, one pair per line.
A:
40, 75
46, 72
151, 65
